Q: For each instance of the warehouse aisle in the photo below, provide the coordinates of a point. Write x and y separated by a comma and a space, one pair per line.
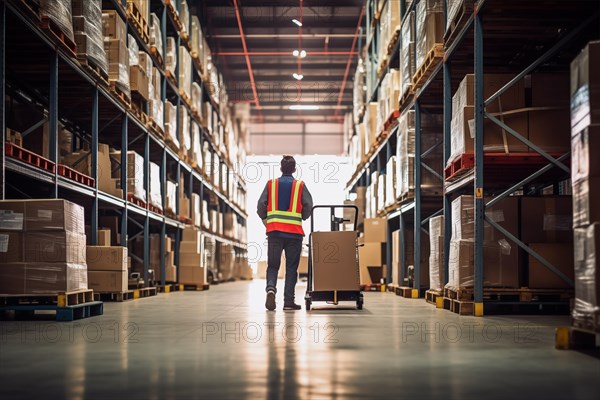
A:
223, 344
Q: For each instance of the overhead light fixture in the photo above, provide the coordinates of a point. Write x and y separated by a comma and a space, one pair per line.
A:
304, 107
299, 53
298, 76
297, 22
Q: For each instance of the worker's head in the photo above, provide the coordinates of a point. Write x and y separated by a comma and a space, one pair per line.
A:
288, 165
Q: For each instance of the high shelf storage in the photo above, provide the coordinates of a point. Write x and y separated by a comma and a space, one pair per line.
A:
41, 74
525, 154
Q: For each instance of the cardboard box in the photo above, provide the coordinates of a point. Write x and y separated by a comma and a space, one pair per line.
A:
583, 162
192, 275
104, 258
55, 247
190, 247
11, 247
550, 130
14, 137
190, 260
586, 202
585, 87
560, 255
42, 278
546, 219
113, 26
43, 215
512, 99
587, 274
375, 230
334, 261
81, 161
113, 225
372, 254
108, 281
261, 270
103, 237
191, 234
12, 215
138, 82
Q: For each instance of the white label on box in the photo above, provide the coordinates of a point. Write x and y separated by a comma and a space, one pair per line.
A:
3, 243
45, 215
472, 128
11, 221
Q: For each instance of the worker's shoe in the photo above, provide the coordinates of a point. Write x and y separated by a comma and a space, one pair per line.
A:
291, 307
270, 303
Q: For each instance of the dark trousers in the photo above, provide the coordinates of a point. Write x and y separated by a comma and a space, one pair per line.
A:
293, 250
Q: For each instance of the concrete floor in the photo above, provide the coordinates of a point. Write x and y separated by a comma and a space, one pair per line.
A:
223, 344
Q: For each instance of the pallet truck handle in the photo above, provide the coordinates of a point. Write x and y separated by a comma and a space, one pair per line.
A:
332, 210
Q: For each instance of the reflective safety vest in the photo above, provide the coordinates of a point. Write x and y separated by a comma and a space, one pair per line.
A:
290, 220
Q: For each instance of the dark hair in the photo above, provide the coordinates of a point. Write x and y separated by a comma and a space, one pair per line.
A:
288, 165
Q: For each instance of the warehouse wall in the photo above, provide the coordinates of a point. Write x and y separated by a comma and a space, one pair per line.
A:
301, 137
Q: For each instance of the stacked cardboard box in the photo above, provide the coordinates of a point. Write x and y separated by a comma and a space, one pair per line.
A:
117, 52
585, 177
184, 132
88, 26
171, 59
185, 72
226, 262
155, 195
388, 97
407, 53
171, 197
192, 268
429, 15
107, 268
156, 104
81, 161
155, 34
135, 172
372, 254
43, 247
184, 200
169, 256
436, 255
171, 117
59, 11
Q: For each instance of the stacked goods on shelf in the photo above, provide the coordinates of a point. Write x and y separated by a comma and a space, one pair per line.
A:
171, 197
171, 59
169, 257
171, 124
381, 192
409, 257
107, 268
370, 121
195, 37
88, 21
195, 152
388, 97
81, 161
135, 173
140, 73
184, 133
431, 135
371, 196
453, 7
500, 257
391, 182
192, 269
407, 54
195, 212
429, 15
196, 98
59, 12
389, 23
117, 54
436, 255
185, 74
372, 255
585, 177
359, 91
205, 215
184, 17
184, 200
546, 227
210, 252
156, 104
155, 195
229, 225
226, 262
156, 44
44, 242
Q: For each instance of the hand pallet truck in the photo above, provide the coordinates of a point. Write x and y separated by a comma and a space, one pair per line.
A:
333, 296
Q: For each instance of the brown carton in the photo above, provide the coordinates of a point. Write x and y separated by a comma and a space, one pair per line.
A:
372, 254
546, 219
190, 260
108, 281
560, 255
11, 247
102, 258
584, 163
192, 275
138, 82
103, 237
55, 247
113, 26
587, 276
375, 230
586, 202
54, 215
334, 261
42, 278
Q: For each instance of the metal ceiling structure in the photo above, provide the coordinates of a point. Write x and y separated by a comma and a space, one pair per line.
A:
253, 41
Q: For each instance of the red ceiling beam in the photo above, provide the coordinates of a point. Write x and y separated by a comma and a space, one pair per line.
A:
285, 53
246, 54
341, 95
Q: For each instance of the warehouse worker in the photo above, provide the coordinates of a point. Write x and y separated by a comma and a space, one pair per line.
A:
283, 205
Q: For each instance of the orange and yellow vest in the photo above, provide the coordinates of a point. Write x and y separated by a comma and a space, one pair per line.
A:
290, 220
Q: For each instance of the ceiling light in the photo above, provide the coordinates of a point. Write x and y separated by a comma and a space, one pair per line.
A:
304, 107
299, 53
297, 76
297, 22
302, 54
296, 53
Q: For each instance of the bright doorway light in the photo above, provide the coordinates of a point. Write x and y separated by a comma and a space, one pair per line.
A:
304, 107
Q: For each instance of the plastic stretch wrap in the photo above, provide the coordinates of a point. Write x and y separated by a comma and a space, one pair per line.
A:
195, 36
155, 197
41, 215
196, 97
118, 59
59, 11
407, 54
171, 59
134, 50
185, 71
155, 33
171, 197
587, 276
216, 170
390, 184
210, 250
158, 112
184, 16
430, 27
184, 129
436, 255
156, 82
452, 8
42, 278
87, 22
196, 150
135, 173
206, 156
171, 123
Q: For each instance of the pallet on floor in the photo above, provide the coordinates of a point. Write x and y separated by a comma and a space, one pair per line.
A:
574, 338
68, 306
523, 295
435, 297
460, 307
137, 20
28, 157
408, 292
373, 287
61, 299
127, 295
430, 62
190, 287
64, 41
169, 287
75, 176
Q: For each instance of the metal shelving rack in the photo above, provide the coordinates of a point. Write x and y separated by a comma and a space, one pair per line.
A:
72, 89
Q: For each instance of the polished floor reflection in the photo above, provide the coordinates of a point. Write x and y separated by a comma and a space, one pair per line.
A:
223, 344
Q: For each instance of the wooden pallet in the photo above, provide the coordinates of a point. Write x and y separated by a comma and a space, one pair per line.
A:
61, 299
460, 307
435, 297
137, 109
152, 125
53, 30
137, 20
62, 314
134, 200
406, 97
373, 287
174, 14
431, 61
574, 338
28, 157
393, 41
459, 166
126, 295
198, 288
123, 97
185, 98
459, 21
157, 56
155, 209
95, 71
75, 176
408, 292
169, 288
171, 77
391, 121
590, 322
185, 220
524, 295
406, 197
